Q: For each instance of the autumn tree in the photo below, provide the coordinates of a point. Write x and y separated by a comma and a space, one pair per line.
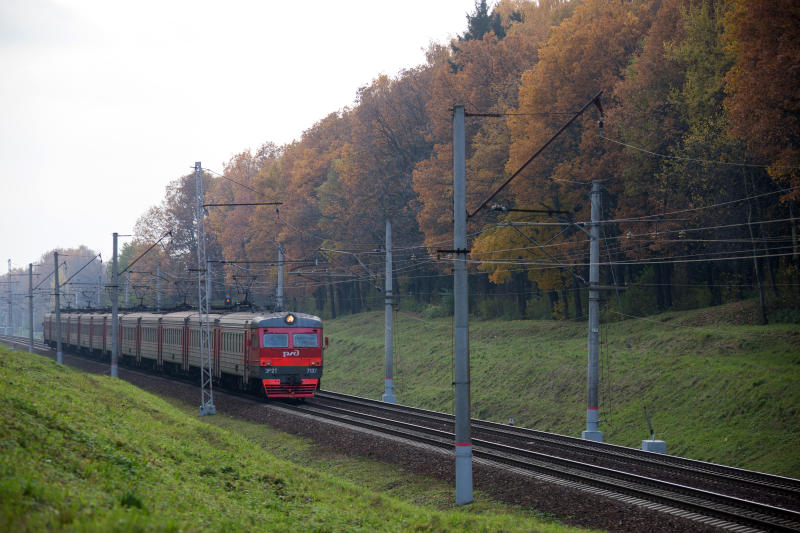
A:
485, 80
691, 89
763, 87
671, 103
584, 54
175, 217
246, 233
303, 167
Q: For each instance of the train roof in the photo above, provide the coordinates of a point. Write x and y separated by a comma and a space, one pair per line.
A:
271, 320
190, 317
84, 312
236, 319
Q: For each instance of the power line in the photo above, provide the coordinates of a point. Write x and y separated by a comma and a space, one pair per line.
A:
233, 181
631, 262
695, 160
595, 100
240, 204
711, 206
169, 233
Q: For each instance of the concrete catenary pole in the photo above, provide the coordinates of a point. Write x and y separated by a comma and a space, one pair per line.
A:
388, 395
114, 309
30, 307
59, 353
279, 290
127, 287
158, 288
67, 297
463, 445
10, 330
592, 419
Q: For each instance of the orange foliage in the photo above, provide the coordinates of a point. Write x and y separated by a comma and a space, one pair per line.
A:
764, 85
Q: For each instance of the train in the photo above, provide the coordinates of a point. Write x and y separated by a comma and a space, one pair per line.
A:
279, 353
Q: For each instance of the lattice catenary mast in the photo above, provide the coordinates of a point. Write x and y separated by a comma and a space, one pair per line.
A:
203, 293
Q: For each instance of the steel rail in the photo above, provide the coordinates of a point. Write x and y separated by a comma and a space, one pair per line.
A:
703, 502
788, 487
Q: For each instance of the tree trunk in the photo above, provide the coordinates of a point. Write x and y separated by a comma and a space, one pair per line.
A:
319, 299
716, 293
659, 287
331, 293
521, 290
552, 297
576, 293
667, 277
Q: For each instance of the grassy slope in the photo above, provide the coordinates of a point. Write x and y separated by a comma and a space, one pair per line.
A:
80, 452
716, 391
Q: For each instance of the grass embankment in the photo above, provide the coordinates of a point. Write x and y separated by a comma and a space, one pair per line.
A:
81, 452
717, 388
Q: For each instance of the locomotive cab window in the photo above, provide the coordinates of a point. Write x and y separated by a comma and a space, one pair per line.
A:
305, 340
276, 340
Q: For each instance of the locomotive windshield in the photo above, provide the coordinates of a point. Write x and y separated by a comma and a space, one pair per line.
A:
305, 340
276, 340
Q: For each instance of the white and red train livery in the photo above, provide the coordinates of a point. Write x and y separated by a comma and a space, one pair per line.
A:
281, 353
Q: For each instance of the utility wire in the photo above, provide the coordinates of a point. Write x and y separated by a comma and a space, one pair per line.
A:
233, 181
544, 265
169, 233
711, 206
84, 266
595, 100
694, 159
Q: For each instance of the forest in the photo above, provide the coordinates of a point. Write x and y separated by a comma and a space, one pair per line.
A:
694, 139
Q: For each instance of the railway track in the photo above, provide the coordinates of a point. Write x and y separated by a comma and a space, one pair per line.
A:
672, 484
23, 343
659, 482
777, 490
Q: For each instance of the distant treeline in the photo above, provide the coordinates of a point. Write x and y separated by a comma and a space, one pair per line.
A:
697, 152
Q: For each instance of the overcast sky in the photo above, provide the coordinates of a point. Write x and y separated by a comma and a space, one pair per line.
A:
104, 102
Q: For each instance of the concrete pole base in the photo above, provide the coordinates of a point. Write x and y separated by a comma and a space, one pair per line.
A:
596, 436
388, 398
388, 395
655, 446
592, 421
463, 474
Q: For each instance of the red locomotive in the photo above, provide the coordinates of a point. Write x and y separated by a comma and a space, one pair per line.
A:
281, 353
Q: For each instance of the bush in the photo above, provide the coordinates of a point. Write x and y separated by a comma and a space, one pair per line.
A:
784, 316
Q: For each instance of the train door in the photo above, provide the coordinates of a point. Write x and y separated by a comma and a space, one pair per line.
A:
138, 341
215, 351
185, 334
246, 355
160, 345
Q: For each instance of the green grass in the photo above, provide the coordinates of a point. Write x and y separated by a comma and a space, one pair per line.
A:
717, 388
80, 452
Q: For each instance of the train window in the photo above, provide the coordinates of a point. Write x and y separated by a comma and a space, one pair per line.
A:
276, 340
304, 340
